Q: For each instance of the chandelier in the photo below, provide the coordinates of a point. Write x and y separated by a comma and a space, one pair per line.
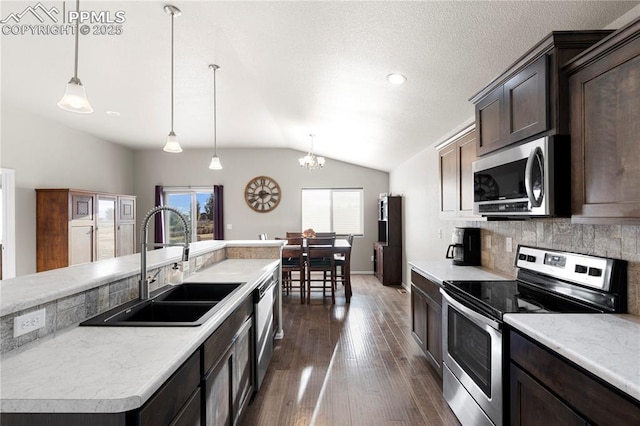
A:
310, 161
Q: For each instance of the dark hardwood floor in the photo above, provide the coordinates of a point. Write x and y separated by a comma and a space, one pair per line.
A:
351, 364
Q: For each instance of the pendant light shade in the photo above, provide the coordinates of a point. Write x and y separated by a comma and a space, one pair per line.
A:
75, 97
215, 161
172, 145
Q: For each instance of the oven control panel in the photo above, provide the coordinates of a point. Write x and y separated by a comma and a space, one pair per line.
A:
582, 269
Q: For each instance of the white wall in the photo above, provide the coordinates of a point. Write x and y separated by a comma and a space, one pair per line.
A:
155, 167
45, 154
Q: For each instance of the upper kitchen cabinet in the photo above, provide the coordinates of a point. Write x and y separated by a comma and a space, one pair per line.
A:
456, 177
74, 227
604, 84
531, 97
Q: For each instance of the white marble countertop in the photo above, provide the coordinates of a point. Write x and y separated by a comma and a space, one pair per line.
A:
443, 270
113, 369
38, 289
607, 345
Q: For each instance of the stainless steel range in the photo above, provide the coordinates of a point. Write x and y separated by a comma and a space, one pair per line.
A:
547, 281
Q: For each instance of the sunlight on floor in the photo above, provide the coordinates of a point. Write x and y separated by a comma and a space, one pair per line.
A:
324, 386
304, 381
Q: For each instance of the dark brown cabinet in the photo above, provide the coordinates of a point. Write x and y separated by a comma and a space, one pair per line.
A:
426, 318
167, 404
387, 251
546, 389
529, 398
74, 227
530, 98
456, 176
228, 365
605, 122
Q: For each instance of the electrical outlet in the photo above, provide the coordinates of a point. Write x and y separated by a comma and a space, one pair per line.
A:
372, 258
508, 244
229, 226
28, 322
439, 233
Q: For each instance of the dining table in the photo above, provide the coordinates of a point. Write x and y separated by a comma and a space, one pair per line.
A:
341, 246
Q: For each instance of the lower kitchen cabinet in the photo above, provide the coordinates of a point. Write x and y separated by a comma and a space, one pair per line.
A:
426, 318
546, 389
529, 398
228, 365
217, 385
167, 403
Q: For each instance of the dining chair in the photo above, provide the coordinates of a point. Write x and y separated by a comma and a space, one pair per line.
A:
262, 236
294, 235
293, 261
320, 252
325, 234
341, 260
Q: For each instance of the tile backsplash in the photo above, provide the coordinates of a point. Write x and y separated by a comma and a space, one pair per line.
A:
616, 241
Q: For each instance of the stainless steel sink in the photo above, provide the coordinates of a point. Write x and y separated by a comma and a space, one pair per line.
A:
185, 305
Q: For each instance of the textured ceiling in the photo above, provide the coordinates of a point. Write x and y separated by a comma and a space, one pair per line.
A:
287, 69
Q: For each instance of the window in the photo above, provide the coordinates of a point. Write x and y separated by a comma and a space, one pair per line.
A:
196, 204
333, 210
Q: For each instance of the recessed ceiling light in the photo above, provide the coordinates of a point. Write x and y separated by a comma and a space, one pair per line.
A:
396, 78
113, 113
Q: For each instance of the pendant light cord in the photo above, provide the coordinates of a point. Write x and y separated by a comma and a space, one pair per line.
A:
75, 65
172, 19
215, 110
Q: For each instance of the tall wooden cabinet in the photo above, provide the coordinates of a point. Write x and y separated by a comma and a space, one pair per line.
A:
75, 226
387, 251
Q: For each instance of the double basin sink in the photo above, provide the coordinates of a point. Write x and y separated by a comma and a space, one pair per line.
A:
184, 305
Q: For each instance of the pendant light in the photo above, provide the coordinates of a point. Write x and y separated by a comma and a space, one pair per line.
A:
172, 145
75, 97
215, 161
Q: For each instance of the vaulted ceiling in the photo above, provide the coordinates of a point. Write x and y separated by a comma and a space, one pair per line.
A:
288, 69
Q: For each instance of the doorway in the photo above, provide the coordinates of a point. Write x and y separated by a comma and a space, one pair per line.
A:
7, 223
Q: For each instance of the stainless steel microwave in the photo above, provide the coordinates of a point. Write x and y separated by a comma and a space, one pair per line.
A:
531, 179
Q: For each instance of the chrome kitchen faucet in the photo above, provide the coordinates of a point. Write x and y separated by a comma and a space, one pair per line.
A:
144, 279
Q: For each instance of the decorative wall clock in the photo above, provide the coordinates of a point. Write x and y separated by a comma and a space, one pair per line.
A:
262, 194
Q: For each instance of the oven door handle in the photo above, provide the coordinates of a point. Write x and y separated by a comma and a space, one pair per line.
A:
470, 313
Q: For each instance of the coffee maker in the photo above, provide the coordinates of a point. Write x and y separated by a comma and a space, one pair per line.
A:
465, 247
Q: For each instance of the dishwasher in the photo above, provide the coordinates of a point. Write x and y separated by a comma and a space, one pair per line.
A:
263, 298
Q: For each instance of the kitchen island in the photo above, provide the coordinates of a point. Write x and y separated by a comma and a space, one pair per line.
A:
109, 373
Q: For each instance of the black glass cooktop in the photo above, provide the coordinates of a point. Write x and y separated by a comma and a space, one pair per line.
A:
496, 298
